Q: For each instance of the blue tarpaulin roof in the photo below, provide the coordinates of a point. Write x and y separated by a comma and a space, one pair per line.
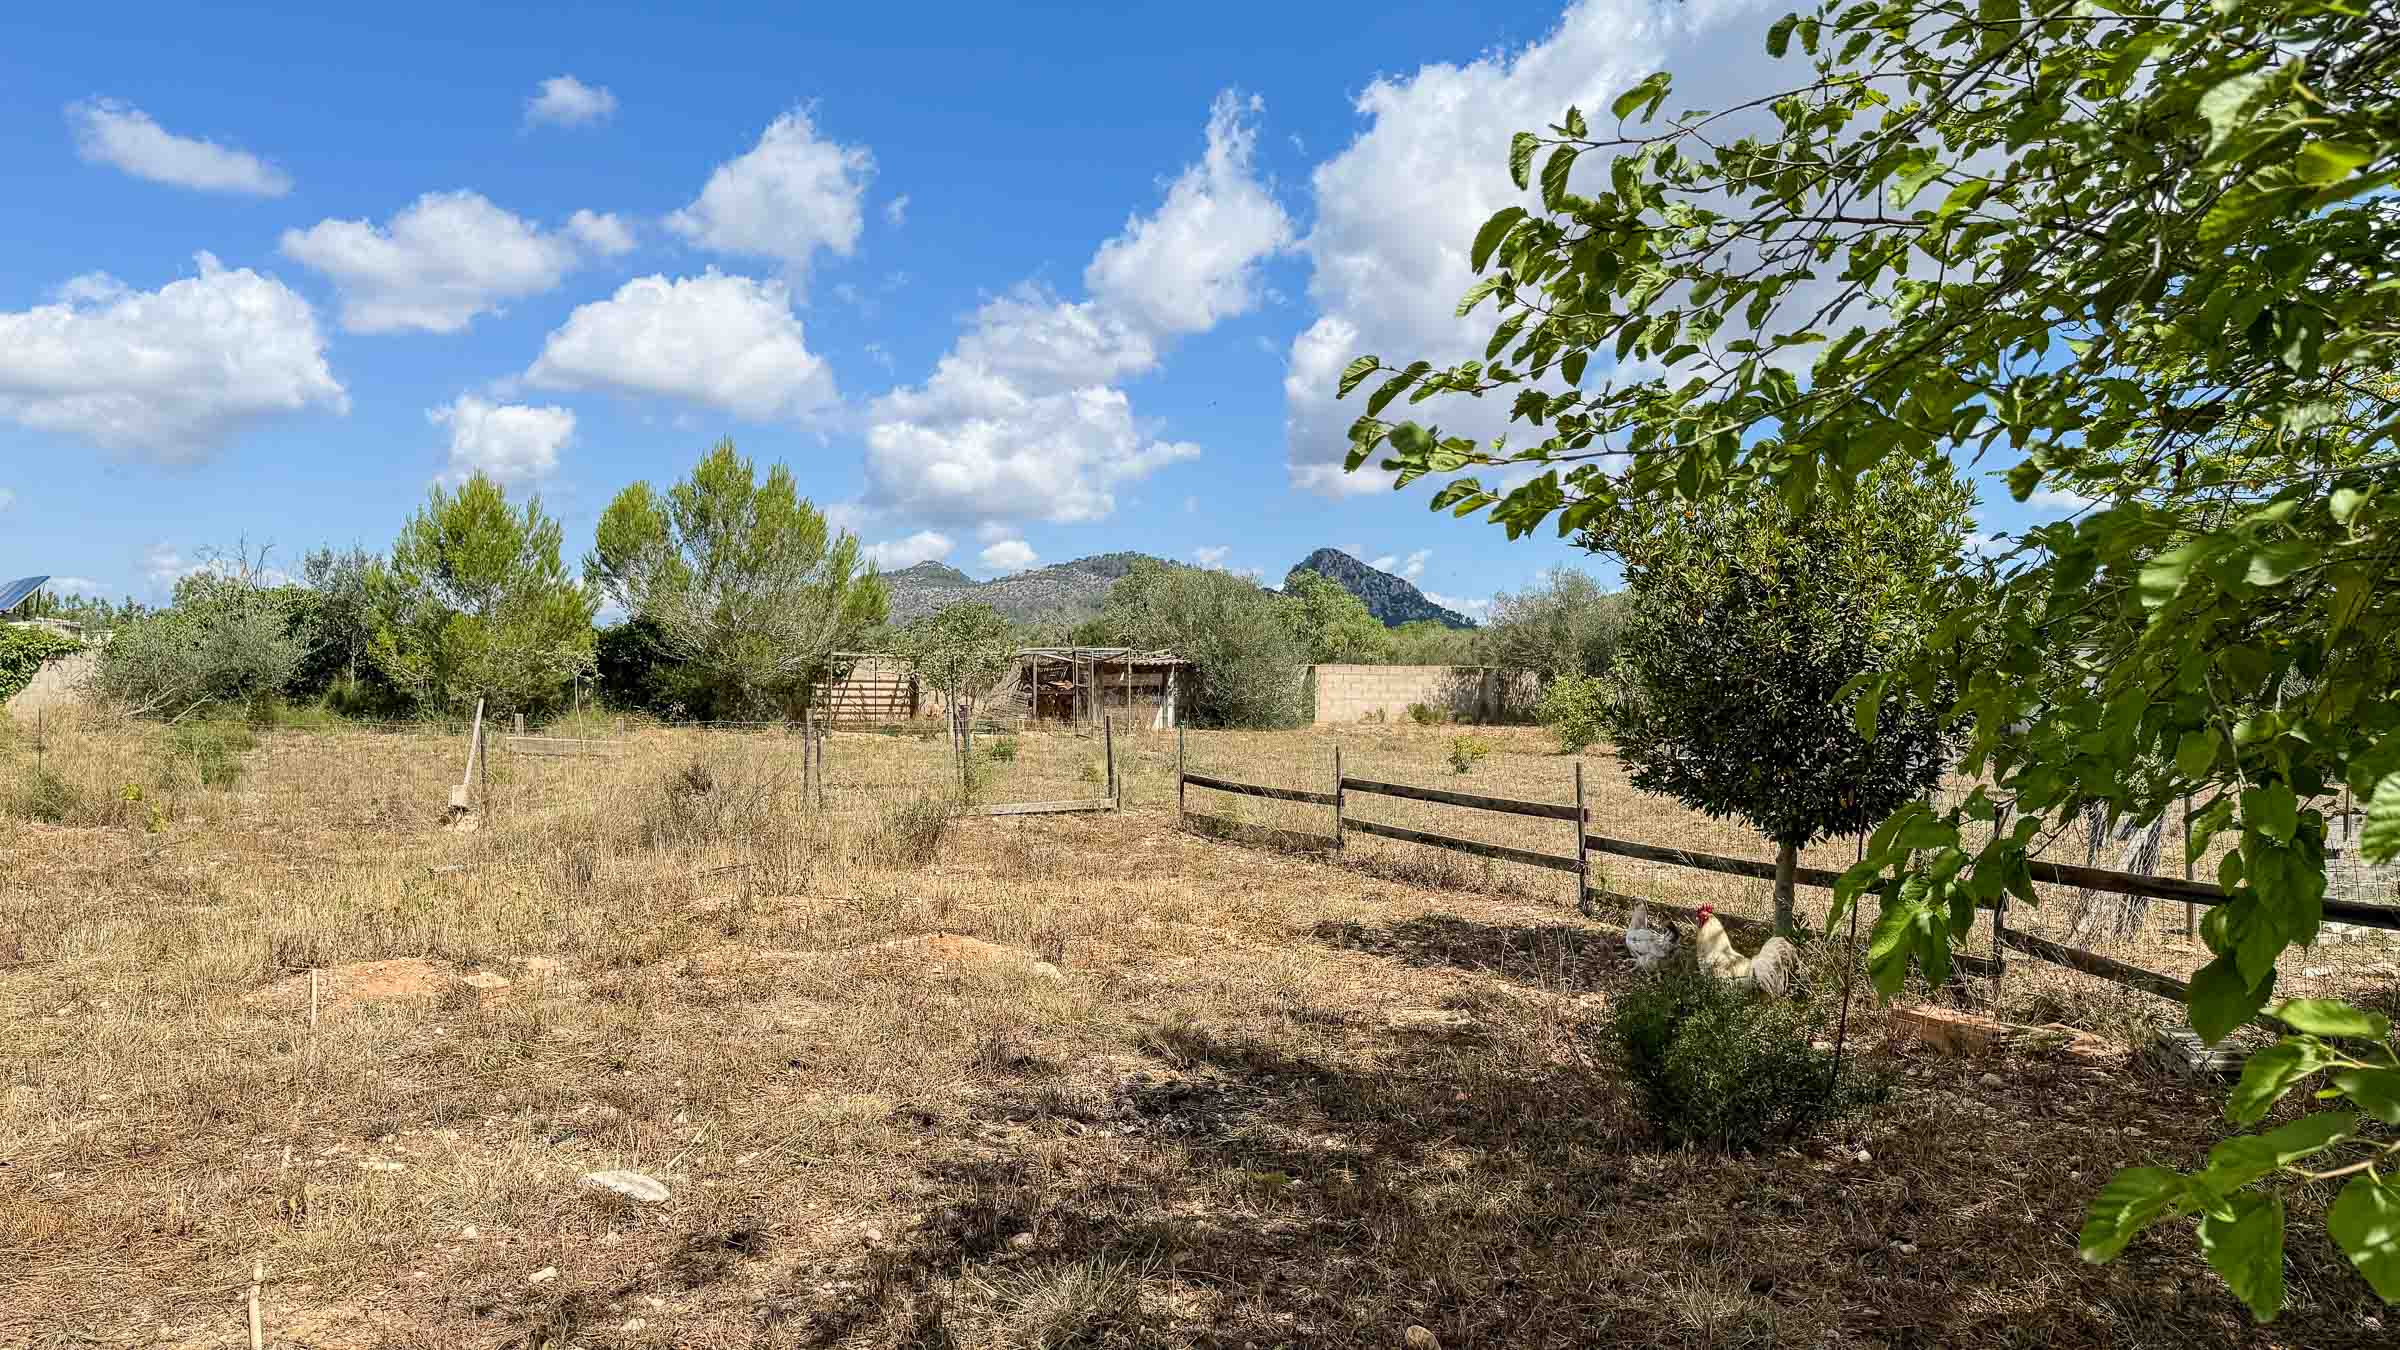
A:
13, 593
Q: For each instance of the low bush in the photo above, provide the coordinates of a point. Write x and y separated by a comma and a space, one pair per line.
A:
43, 795
909, 834
210, 751
1468, 751
1002, 750
1715, 1065
1426, 715
1575, 709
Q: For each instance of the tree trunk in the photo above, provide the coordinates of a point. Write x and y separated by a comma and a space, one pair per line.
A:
1787, 861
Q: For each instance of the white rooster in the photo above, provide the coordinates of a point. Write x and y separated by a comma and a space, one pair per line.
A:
1647, 942
1769, 972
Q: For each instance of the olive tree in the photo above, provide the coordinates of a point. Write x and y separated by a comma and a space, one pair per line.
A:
228, 638
741, 582
1747, 618
1246, 656
2094, 243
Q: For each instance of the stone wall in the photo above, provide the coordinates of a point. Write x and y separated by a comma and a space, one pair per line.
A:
1468, 693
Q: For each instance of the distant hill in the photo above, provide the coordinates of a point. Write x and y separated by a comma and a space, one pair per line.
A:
1070, 589
1392, 599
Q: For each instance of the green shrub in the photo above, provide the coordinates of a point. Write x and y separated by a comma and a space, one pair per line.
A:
1468, 751
1575, 709
22, 652
278, 715
1001, 750
1714, 1064
1425, 714
210, 751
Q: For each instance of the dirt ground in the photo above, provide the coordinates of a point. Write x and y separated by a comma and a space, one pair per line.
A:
1075, 1080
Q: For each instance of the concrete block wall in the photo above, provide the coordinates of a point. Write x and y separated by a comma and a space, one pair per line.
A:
1347, 693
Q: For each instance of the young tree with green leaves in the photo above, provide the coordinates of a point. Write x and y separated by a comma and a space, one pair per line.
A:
742, 581
477, 604
2099, 240
1333, 625
1747, 618
961, 649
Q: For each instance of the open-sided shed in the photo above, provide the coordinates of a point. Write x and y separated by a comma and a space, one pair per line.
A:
1081, 684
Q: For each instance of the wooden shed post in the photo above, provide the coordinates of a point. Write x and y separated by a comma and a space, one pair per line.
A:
1583, 855
1337, 796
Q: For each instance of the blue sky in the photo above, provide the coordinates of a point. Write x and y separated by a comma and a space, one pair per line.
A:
1004, 285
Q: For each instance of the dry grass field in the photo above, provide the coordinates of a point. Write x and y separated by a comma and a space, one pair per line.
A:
1055, 1081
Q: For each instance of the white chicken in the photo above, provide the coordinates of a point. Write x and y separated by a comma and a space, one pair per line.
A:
1647, 941
1769, 972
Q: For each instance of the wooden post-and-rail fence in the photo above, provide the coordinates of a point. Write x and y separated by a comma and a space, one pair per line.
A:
2005, 938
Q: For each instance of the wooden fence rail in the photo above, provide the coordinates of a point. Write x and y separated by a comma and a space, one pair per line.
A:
1501, 852
2189, 891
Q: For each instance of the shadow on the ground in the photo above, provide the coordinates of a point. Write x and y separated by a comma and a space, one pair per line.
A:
1494, 1185
1558, 956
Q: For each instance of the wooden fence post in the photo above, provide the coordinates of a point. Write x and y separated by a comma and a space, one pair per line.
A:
1583, 856
2189, 917
824, 735
808, 755
1337, 796
520, 724
1108, 742
1179, 777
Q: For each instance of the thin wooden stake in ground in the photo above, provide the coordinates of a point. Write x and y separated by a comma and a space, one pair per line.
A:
1337, 796
1108, 744
1179, 774
1583, 851
258, 1275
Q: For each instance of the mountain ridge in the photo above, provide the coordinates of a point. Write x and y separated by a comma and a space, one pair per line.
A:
1075, 589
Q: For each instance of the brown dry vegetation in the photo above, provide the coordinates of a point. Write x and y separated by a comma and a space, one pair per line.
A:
1054, 1081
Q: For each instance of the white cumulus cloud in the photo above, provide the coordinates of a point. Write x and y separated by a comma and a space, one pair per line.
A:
1194, 262
725, 342
602, 232
564, 101
1415, 566
169, 374
1211, 555
510, 442
896, 210
2059, 499
78, 586
112, 132
1398, 207
444, 259
923, 546
1478, 610
1023, 416
790, 195
1008, 555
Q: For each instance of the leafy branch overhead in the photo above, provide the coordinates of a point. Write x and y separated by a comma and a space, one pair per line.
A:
2139, 258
